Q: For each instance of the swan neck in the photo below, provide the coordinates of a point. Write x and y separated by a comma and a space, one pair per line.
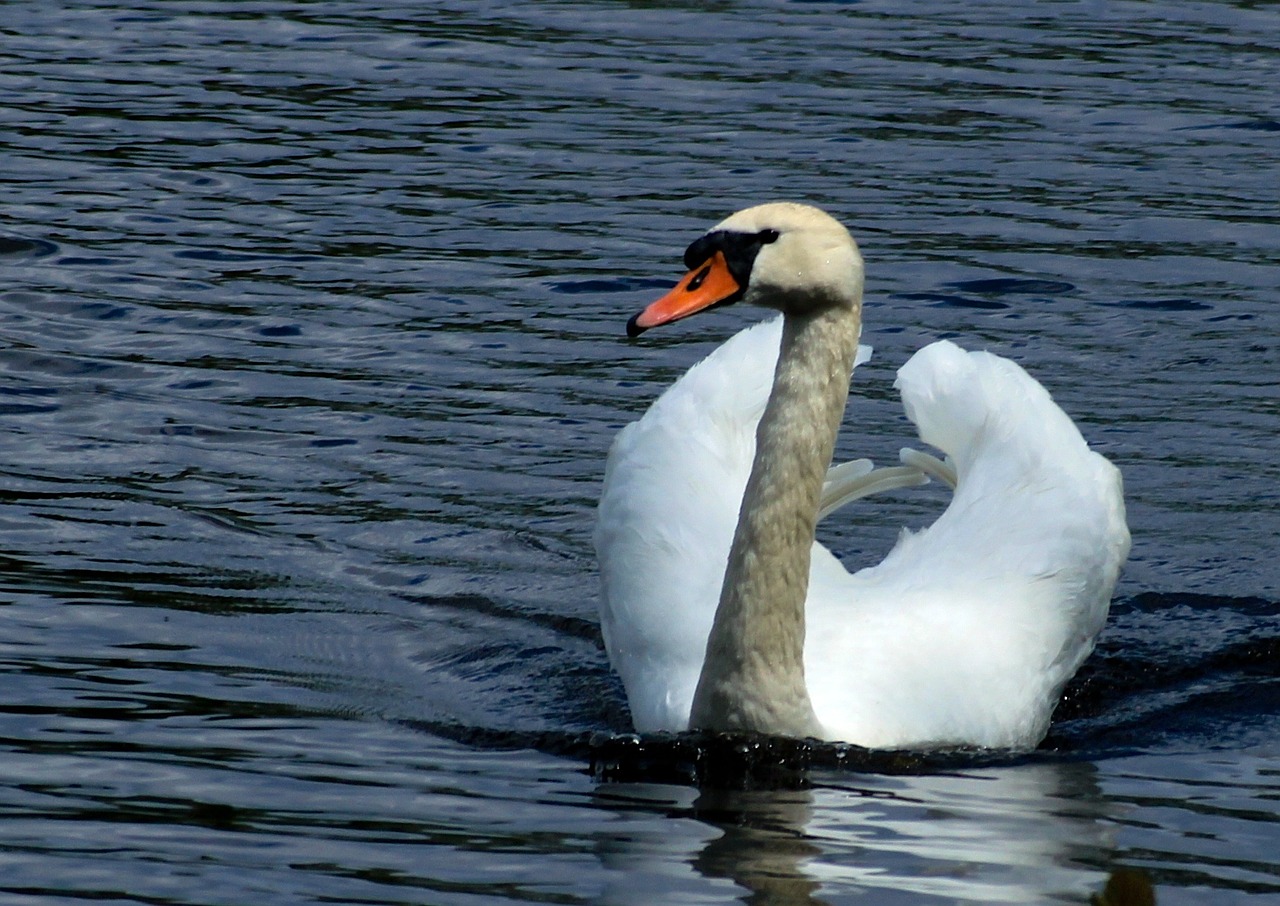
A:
753, 674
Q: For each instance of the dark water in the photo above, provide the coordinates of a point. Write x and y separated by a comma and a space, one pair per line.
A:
311, 336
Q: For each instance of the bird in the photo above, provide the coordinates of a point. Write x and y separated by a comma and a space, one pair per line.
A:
721, 612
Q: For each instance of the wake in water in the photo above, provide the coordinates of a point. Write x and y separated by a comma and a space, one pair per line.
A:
1171, 671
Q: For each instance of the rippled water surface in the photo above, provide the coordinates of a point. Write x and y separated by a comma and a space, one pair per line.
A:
311, 351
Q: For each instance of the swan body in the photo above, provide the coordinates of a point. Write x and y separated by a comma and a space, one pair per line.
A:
719, 609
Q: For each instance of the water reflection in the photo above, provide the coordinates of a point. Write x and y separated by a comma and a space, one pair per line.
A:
1011, 835
765, 846
311, 356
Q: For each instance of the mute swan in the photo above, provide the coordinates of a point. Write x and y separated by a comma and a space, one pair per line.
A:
719, 609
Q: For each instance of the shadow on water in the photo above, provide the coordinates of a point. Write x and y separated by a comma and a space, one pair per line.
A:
19, 247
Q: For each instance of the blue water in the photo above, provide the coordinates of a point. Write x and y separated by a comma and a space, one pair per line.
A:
311, 348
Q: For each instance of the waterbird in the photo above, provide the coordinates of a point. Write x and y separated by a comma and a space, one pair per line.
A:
720, 610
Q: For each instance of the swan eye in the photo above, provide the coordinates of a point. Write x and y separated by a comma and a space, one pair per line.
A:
767, 236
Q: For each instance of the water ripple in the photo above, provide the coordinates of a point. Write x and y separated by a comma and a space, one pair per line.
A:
311, 348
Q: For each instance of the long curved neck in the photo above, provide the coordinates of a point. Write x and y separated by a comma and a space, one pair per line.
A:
753, 674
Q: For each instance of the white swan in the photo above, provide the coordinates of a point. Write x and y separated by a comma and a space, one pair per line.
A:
718, 608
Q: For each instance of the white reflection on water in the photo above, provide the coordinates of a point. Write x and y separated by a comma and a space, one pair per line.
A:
1007, 835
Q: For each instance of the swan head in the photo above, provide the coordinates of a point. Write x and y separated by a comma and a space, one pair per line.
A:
790, 257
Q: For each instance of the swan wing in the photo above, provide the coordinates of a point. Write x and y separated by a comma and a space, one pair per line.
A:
968, 629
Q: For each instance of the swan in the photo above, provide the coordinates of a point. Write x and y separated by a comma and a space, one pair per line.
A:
718, 608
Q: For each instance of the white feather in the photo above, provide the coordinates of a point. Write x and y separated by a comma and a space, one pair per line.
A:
965, 633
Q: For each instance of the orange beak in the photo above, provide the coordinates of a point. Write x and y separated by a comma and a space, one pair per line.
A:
701, 288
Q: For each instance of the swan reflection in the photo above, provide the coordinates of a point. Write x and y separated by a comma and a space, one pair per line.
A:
1019, 834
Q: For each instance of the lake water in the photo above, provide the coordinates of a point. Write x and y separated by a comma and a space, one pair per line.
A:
311, 349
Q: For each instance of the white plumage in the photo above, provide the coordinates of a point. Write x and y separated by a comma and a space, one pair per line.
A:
964, 634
